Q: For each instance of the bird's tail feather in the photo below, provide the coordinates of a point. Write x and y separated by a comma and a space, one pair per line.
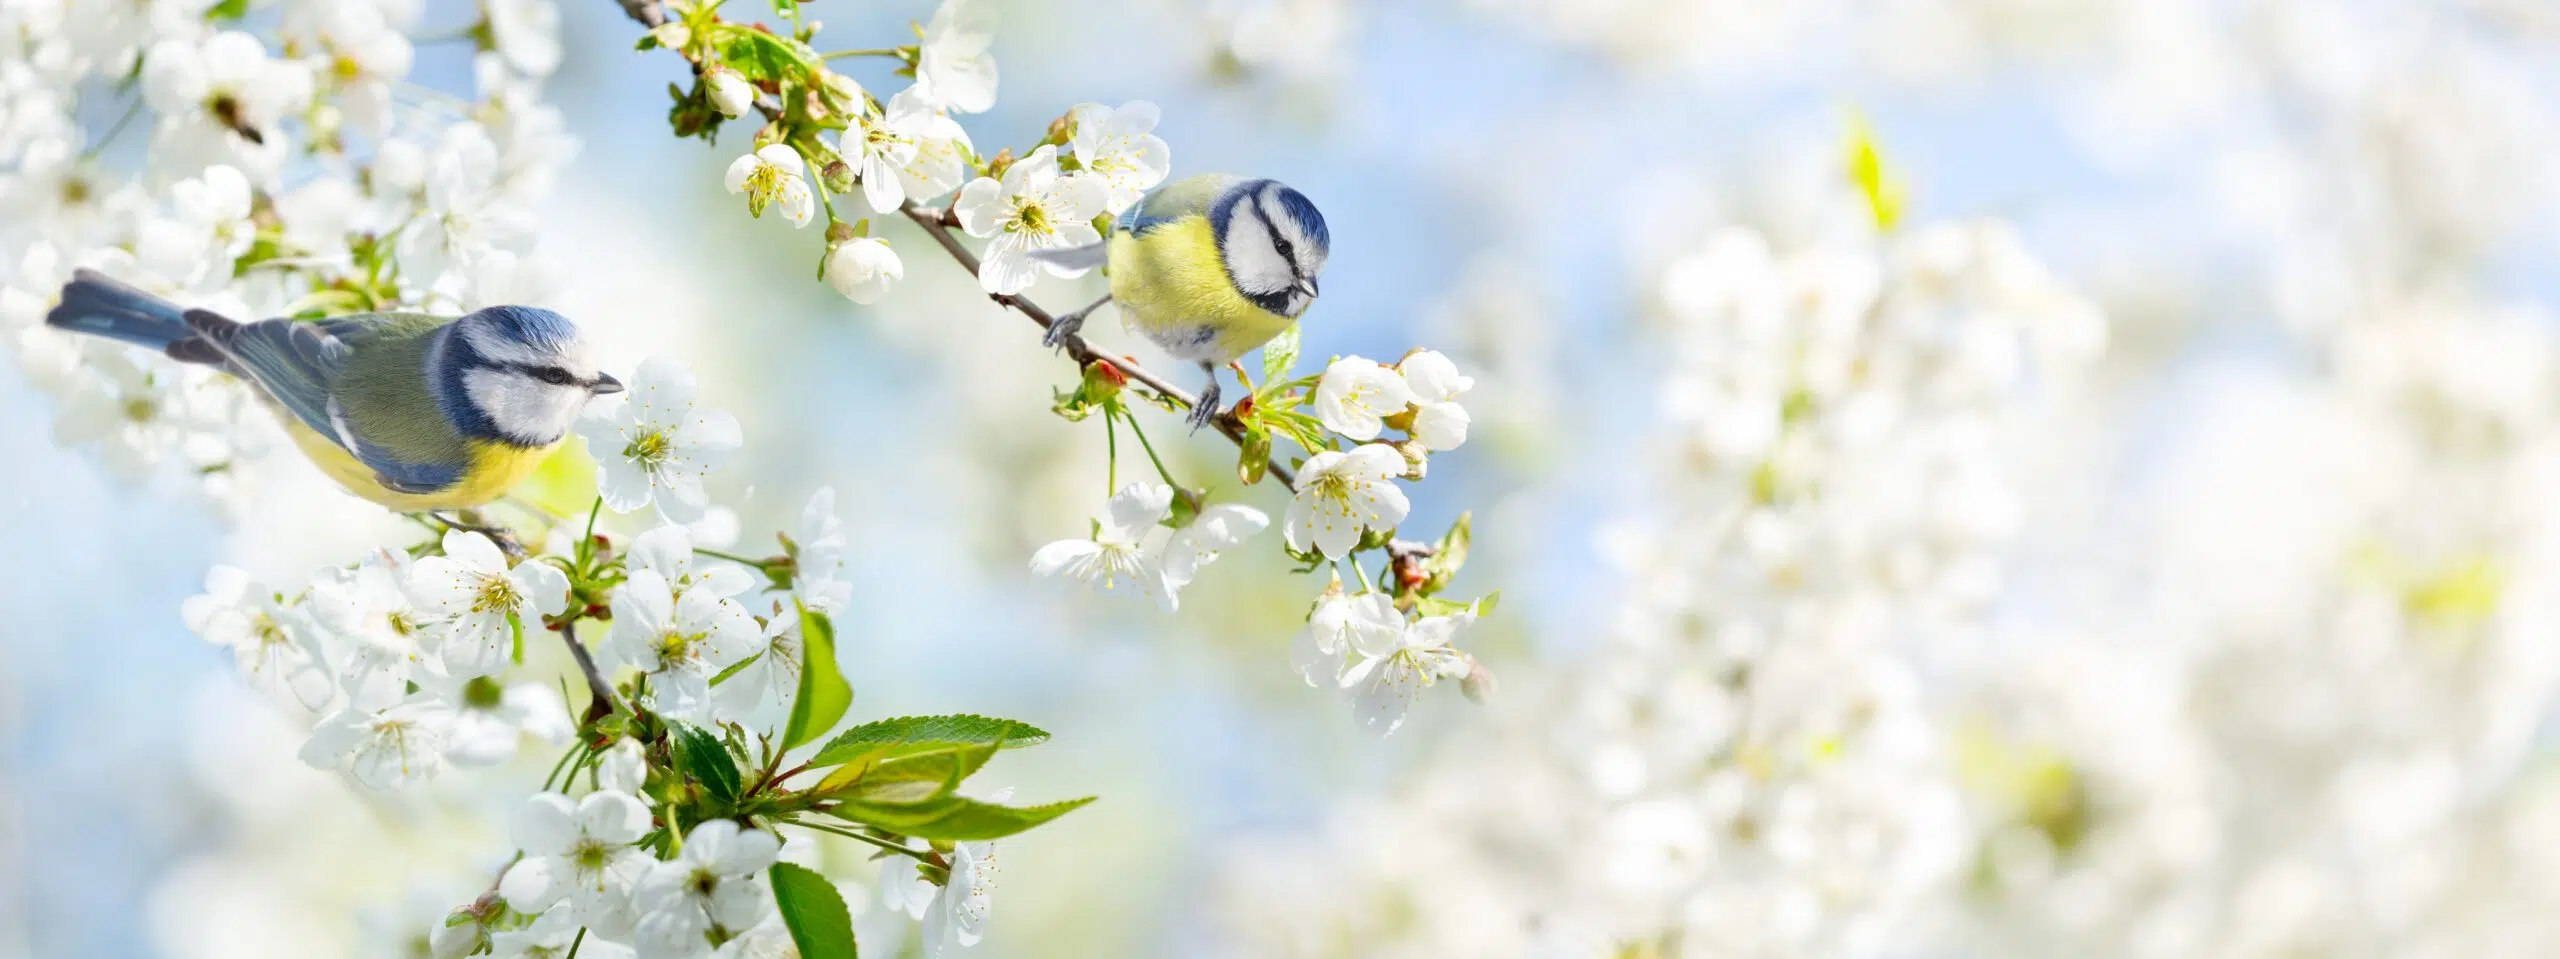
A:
100, 305
1084, 257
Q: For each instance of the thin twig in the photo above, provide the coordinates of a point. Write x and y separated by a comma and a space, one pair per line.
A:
919, 855
601, 701
937, 224
650, 13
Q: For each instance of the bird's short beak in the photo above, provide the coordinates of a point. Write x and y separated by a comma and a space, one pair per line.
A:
1307, 286
605, 383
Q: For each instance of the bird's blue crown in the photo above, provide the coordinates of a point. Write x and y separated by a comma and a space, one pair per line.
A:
540, 329
1299, 208
1290, 203
518, 338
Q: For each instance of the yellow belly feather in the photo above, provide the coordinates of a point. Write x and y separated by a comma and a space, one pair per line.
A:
495, 469
1169, 284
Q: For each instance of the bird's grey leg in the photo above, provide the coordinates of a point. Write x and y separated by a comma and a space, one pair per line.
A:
470, 521
1068, 324
1206, 410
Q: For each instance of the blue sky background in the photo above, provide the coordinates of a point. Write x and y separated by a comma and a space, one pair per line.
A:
1449, 136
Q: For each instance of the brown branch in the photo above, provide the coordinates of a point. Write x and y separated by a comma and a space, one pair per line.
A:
650, 13
938, 223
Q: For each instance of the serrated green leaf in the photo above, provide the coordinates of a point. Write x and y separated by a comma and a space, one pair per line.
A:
885, 739
821, 926
908, 778
1278, 356
706, 761
824, 695
954, 818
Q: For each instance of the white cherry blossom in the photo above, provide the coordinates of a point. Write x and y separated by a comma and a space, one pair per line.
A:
653, 445
472, 593
1341, 495
1035, 207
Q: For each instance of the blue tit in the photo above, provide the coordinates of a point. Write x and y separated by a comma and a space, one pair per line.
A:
1209, 268
415, 412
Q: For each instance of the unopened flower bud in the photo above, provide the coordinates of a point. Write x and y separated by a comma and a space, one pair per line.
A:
1003, 161
1417, 460
837, 177
842, 86
839, 231
729, 91
1187, 504
1061, 130
1102, 382
672, 35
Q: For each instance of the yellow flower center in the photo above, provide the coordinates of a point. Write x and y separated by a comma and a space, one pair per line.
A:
674, 647
497, 594
1028, 217
649, 449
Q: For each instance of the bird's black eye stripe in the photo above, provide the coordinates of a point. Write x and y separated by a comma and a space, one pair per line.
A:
548, 374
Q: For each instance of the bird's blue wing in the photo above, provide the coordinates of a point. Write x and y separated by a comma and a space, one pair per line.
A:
294, 362
391, 471
356, 328
1189, 196
297, 363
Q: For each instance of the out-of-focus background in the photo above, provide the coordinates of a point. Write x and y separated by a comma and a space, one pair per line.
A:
2260, 663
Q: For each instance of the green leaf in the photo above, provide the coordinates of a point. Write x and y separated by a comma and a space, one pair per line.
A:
906, 779
824, 695
916, 735
1884, 191
954, 818
814, 912
1278, 356
705, 761
1449, 556
227, 10
1306, 431
762, 56
1253, 456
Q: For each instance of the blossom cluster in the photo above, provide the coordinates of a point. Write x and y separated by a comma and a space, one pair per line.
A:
825, 136
1751, 766
704, 668
2277, 689
292, 170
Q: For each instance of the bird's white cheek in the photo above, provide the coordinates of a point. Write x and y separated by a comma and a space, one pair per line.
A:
524, 408
1256, 265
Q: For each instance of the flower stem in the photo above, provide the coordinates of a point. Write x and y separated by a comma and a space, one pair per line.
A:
1361, 574
919, 855
1110, 455
574, 944
732, 557
871, 52
1151, 450
818, 184
131, 110
937, 225
565, 756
